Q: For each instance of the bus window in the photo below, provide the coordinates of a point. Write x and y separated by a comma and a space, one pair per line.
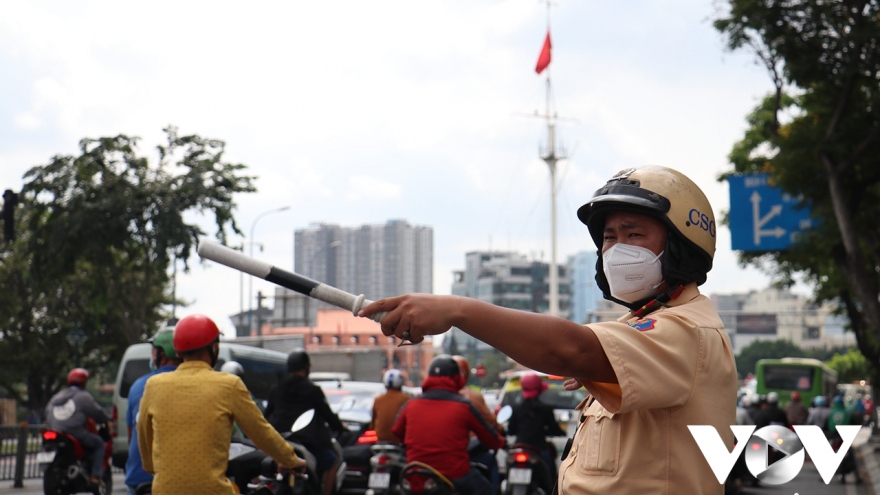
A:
788, 377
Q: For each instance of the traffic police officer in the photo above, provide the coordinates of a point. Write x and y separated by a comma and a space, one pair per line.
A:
666, 364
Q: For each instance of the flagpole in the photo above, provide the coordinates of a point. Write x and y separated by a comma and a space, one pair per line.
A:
551, 156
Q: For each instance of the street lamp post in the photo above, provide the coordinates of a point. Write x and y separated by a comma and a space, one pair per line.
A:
251, 278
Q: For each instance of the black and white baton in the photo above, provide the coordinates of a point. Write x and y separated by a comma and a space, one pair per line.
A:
226, 256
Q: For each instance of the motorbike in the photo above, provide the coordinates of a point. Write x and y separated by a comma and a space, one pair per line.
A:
310, 481
527, 472
386, 464
66, 467
418, 478
253, 472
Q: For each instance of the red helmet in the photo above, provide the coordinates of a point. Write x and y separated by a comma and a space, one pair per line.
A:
795, 396
194, 332
532, 385
463, 365
78, 376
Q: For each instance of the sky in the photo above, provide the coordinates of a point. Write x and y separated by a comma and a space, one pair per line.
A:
353, 112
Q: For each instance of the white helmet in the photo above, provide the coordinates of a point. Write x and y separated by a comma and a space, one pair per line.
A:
772, 398
233, 368
393, 379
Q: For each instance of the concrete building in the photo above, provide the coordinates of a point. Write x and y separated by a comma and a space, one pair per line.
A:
769, 314
506, 279
774, 314
374, 260
340, 333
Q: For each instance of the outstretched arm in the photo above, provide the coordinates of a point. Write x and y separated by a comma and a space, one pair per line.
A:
541, 342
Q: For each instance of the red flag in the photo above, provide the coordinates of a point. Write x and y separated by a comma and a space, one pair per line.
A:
544, 58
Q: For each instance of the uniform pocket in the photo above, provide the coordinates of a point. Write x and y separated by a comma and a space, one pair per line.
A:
600, 451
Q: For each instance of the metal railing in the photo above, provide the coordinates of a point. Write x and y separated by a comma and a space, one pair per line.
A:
19, 446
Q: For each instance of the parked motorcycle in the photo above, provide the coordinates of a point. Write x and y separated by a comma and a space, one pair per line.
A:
386, 464
66, 467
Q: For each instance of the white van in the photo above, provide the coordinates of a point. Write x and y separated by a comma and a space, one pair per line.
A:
263, 368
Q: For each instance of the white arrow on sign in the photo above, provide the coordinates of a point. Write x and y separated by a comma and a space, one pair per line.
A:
759, 221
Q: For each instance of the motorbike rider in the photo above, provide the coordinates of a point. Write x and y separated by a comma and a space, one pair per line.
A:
185, 422
480, 454
435, 427
533, 421
770, 414
795, 411
296, 394
162, 360
387, 405
70, 409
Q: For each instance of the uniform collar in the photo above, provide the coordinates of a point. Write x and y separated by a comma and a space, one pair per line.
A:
675, 296
689, 293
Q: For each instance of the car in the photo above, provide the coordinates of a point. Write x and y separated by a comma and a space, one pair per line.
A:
353, 401
563, 401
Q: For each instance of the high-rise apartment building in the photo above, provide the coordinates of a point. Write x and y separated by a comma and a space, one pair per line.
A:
374, 260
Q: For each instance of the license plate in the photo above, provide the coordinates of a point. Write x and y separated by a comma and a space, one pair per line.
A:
519, 476
379, 480
45, 457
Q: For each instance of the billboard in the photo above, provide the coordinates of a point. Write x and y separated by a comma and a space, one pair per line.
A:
756, 324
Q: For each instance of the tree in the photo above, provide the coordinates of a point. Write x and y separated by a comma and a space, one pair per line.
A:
99, 232
764, 349
850, 367
818, 136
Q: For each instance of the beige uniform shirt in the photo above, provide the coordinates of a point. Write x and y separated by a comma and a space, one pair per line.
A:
185, 425
675, 368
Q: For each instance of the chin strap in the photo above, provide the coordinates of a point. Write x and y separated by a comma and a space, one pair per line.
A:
659, 301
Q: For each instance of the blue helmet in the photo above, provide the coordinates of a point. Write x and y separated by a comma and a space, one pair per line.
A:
819, 401
393, 378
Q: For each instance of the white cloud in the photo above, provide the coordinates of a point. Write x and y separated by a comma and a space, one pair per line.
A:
27, 121
368, 188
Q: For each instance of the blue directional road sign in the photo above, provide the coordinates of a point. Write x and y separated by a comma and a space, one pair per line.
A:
762, 217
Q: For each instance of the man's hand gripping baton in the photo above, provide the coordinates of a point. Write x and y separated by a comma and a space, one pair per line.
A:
225, 256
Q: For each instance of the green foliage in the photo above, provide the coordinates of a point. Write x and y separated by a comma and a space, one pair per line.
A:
765, 349
99, 233
850, 367
818, 136
778, 349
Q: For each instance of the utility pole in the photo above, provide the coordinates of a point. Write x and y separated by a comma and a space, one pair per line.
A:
259, 313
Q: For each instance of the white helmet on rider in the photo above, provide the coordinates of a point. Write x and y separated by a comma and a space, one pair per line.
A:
393, 378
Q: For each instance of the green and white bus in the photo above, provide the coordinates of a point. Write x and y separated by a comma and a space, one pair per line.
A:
809, 377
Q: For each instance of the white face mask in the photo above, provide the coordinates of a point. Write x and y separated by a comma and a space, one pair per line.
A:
633, 272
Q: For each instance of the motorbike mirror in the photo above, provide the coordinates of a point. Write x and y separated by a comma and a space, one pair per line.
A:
504, 414
303, 420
